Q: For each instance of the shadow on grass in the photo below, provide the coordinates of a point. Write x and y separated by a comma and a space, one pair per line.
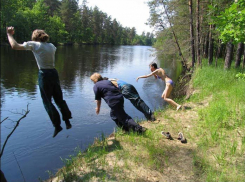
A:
187, 107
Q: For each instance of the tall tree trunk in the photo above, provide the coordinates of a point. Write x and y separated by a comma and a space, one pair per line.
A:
218, 52
239, 52
221, 50
183, 62
201, 29
210, 47
229, 55
206, 46
198, 33
243, 63
192, 35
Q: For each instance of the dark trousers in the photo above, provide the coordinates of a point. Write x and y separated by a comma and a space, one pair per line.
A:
49, 85
130, 93
122, 119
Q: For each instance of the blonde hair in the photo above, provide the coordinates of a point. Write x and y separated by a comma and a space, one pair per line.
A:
39, 36
96, 77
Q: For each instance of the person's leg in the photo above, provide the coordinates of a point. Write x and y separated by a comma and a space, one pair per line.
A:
130, 93
114, 118
125, 119
58, 98
166, 94
46, 90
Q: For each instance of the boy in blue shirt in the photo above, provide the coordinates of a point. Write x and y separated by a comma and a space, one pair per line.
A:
112, 96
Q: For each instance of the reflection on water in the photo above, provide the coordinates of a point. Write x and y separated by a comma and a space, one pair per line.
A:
32, 142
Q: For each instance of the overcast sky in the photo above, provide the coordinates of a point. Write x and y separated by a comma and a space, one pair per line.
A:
130, 13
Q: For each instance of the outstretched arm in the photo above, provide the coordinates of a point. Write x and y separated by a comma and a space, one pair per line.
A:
146, 76
13, 43
98, 106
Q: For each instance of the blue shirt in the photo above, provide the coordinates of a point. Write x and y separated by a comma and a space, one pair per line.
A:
121, 83
109, 92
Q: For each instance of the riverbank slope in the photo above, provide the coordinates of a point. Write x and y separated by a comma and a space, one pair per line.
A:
212, 120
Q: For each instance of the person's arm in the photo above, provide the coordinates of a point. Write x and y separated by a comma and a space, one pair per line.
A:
146, 76
13, 43
98, 106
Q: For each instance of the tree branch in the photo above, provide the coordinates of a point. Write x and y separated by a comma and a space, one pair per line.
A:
16, 125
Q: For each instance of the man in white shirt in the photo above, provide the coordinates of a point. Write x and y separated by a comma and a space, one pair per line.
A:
48, 77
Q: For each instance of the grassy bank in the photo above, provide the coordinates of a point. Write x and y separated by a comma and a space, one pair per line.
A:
212, 120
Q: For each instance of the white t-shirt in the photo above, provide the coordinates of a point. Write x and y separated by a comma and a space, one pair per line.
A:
44, 53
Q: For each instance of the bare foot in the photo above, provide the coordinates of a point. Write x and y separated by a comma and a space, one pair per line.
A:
178, 107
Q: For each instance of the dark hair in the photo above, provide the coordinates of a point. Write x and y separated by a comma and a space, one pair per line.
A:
105, 78
153, 64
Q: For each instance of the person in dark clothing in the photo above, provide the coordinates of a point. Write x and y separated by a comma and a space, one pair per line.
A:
112, 96
129, 92
48, 78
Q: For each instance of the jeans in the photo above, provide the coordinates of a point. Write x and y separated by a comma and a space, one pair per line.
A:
49, 85
122, 119
130, 93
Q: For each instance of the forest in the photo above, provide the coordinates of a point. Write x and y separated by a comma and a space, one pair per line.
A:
67, 22
193, 30
190, 30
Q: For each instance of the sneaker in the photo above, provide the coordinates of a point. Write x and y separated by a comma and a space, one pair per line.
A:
142, 130
182, 138
57, 130
167, 135
152, 117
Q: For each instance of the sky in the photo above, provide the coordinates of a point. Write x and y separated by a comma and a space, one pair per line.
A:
130, 13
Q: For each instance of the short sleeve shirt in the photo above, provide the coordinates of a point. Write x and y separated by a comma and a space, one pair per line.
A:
109, 92
44, 53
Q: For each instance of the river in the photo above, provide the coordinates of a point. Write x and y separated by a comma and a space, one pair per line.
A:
31, 148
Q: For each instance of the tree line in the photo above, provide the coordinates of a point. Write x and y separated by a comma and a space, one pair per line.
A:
196, 29
67, 22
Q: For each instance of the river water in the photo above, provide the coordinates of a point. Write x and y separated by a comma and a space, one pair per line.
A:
31, 148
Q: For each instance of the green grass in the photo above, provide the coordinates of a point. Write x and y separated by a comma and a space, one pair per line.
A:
220, 121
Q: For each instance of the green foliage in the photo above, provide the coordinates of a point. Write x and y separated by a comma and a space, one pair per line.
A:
66, 22
231, 22
240, 76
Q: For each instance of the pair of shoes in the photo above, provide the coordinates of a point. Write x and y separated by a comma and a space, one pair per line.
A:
57, 130
167, 135
182, 138
68, 124
178, 107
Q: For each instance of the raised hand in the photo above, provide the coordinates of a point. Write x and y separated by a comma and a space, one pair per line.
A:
10, 30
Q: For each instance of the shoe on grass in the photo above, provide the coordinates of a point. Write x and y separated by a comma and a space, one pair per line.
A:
152, 117
167, 135
141, 130
182, 138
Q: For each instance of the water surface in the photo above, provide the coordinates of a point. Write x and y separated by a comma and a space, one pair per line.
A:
32, 143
